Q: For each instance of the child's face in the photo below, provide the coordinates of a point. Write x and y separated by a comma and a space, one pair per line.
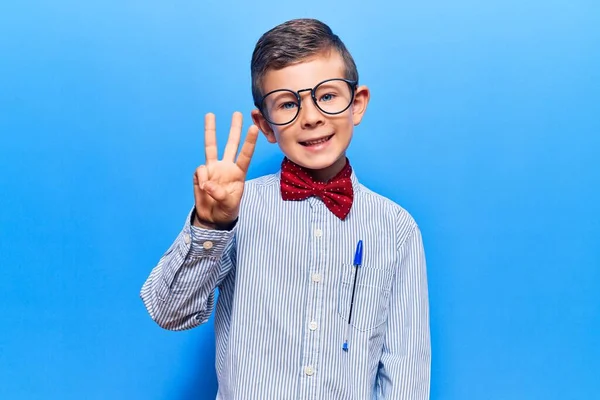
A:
325, 157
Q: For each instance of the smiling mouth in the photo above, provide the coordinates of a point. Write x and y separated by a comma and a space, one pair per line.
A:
316, 142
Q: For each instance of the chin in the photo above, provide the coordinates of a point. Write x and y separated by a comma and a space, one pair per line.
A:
316, 163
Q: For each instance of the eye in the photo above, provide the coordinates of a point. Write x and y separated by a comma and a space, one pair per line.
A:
327, 97
287, 105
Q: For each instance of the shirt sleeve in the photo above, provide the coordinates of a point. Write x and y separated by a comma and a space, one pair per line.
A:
405, 364
179, 294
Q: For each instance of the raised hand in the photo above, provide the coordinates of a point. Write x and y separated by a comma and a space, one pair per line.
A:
219, 184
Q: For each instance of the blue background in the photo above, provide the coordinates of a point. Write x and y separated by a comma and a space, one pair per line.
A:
484, 123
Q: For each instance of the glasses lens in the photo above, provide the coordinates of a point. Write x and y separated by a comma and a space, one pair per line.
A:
333, 96
280, 107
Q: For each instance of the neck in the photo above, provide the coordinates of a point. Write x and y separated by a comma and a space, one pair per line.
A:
325, 174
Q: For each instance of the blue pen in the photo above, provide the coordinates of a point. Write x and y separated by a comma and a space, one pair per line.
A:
357, 263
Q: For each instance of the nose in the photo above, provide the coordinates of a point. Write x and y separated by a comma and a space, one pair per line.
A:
310, 115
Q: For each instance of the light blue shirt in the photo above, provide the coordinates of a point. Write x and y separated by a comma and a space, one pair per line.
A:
285, 277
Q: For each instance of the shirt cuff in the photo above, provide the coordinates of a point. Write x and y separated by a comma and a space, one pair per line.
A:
202, 242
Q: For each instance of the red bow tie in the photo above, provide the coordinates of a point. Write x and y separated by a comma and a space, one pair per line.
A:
337, 194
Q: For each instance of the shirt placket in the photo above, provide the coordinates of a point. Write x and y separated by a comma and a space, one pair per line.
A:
314, 305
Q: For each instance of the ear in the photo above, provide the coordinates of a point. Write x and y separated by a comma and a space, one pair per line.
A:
359, 105
263, 125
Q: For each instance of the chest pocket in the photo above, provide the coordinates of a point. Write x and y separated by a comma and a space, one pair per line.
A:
370, 297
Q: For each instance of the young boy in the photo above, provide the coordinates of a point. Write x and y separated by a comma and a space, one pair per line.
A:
322, 282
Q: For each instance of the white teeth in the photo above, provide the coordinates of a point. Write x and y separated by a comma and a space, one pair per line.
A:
313, 142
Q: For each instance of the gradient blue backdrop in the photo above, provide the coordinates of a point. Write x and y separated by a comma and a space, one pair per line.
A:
494, 106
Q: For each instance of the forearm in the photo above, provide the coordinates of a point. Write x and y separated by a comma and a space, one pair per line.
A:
179, 293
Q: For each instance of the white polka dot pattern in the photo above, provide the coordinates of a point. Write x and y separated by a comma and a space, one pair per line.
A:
337, 194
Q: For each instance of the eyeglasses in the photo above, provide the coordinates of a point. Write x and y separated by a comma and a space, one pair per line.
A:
332, 96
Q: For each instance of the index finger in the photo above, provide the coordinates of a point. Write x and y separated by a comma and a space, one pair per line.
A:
210, 138
247, 151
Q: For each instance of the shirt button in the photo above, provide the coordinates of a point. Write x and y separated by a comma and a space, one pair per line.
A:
313, 325
316, 277
186, 238
207, 245
308, 370
318, 233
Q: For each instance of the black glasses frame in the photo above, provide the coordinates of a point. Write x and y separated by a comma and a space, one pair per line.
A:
313, 96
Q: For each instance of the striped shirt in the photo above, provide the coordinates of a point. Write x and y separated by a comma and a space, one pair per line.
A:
285, 276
